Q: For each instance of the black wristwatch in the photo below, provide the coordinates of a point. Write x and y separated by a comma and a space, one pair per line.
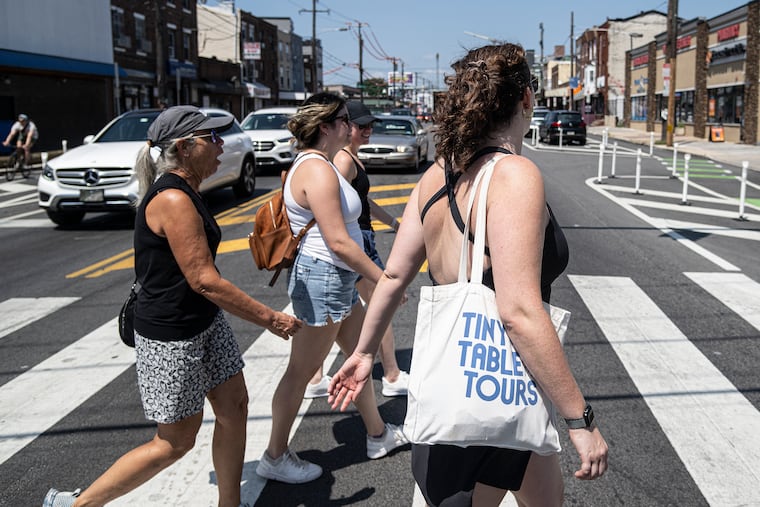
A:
583, 422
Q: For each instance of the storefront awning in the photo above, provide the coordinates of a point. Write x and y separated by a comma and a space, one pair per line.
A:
34, 61
258, 90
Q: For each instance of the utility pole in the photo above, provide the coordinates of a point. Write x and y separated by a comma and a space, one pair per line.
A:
572, 65
361, 68
160, 68
541, 59
437, 80
314, 12
672, 52
402, 82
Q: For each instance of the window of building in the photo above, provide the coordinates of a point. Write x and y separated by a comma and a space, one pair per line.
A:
171, 40
186, 46
139, 27
186, 4
639, 108
117, 22
725, 104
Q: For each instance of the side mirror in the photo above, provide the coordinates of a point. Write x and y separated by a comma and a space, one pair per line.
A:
88, 139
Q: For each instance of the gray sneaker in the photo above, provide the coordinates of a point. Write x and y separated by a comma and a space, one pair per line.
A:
288, 468
55, 498
393, 437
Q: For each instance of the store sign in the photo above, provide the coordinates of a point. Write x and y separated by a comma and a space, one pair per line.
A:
251, 51
727, 53
681, 44
396, 79
730, 32
640, 60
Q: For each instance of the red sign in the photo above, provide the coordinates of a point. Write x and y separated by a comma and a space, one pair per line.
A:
681, 43
728, 33
640, 60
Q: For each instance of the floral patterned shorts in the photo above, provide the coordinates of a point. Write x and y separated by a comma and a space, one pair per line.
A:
174, 377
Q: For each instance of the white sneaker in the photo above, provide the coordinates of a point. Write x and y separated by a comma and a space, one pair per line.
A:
398, 388
392, 437
288, 468
318, 390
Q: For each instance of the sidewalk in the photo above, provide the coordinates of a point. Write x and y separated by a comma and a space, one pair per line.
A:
726, 153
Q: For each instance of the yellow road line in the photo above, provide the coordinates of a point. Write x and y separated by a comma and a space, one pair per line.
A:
237, 215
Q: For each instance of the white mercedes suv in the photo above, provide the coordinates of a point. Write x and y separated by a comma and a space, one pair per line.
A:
99, 175
272, 141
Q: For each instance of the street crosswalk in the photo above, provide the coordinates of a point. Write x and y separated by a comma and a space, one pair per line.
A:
674, 378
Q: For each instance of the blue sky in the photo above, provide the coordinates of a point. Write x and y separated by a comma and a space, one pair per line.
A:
417, 30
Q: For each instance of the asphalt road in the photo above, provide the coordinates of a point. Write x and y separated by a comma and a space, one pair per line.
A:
663, 342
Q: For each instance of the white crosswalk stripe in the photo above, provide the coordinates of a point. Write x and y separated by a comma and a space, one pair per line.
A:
673, 377
19, 312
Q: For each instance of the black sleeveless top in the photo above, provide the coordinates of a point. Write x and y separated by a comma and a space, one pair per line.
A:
556, 254
361, 185
167, 308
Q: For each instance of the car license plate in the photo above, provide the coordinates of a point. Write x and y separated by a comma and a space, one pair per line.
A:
569, 132
376, 160
92, 195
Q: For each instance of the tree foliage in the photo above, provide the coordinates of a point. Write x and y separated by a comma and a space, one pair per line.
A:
375, 87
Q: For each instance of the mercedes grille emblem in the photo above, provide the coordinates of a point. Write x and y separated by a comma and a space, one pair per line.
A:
91, 176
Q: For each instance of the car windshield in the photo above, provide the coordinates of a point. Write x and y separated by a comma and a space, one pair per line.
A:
273, 121
566, 117
133, 127
393, 128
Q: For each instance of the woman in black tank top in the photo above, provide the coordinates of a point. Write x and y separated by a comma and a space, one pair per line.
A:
184, 346
483, 116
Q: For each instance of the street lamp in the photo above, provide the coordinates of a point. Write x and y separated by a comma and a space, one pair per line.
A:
634, 35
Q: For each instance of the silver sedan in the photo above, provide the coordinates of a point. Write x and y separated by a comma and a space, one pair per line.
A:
396, 142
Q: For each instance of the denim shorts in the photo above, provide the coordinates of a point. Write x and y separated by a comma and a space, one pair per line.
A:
370, 248
320, 291
175, 376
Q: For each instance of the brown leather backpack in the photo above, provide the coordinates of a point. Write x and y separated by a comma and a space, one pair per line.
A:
272, 243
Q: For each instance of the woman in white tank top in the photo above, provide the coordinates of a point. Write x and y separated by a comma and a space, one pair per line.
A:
321, 283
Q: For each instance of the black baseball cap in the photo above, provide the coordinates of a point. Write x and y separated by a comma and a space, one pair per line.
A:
359, 113
181, 121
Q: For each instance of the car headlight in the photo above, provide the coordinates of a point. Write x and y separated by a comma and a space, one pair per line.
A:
48, 173
285, 139
404, 148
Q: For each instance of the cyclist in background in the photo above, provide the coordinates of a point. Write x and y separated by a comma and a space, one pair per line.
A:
23, 134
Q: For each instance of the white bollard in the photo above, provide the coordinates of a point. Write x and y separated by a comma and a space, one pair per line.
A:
614, 159
743, 190
638, 173
684, 195
651, 143
560, 138
43, 159
605, 137
673, 173
601, 163
534, 132
64, 145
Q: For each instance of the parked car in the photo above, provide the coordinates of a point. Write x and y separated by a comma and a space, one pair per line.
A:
572, 125
539, 113
395, 142
99, 175
272, 141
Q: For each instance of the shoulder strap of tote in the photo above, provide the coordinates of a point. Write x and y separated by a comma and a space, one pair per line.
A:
478, 249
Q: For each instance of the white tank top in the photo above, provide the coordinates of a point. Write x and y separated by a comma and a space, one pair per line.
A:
313, 243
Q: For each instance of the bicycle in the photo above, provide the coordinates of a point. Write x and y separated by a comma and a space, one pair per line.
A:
17, 163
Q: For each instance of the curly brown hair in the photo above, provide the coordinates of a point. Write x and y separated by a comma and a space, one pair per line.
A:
483, 95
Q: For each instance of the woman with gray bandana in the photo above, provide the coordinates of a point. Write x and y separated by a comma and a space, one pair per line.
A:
185, 348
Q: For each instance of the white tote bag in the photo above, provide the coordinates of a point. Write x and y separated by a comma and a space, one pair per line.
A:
468, 385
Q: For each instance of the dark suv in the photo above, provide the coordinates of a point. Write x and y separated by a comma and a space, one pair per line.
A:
572, 125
